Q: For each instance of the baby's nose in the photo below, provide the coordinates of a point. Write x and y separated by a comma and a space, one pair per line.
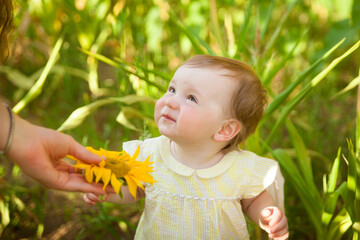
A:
172, 102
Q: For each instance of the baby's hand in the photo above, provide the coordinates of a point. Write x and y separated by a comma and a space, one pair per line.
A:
92, 199
273, 221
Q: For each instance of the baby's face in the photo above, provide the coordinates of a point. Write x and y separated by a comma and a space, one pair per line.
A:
196, 104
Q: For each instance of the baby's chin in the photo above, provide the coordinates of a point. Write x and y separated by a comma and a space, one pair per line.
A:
173, 137
166, 134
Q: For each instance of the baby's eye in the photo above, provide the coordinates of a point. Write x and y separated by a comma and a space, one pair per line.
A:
172, 90
192, 98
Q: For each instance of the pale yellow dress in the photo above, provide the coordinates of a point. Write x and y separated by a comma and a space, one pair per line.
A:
199, 204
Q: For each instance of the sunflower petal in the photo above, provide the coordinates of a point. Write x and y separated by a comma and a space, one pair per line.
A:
147, 178
71, 157
106, 177
147, 162
136, 154
102, 163
89, 174
132, 186
136, 173
137, 181
81, 165
141, 172
98, 172
115, 183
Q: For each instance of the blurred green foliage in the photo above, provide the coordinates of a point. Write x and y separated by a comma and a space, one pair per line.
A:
93, 68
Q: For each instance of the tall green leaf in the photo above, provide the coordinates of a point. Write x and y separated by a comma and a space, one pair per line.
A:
79, 115
313, 206
303, 158
192, 36
275, 69
301, 95
355, 13
216, 27
162, 75
357, 133
37, 87
244, 28
352, 202
330, 204
267, 21
339, 226
279, 100
275, 35
354, 83
334, 173
125, 68
128, 113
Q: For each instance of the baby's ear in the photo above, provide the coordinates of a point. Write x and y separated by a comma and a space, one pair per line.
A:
228, 130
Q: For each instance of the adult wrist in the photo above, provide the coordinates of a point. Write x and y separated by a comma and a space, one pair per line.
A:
6, 132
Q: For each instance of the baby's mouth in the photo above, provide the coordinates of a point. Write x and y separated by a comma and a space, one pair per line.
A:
167, 117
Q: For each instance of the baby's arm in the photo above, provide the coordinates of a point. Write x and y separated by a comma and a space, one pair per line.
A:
263, 211
112, 197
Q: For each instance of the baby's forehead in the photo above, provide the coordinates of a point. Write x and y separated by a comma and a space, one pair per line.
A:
216, 73
213, 69
219, 78
204, 75
206, 67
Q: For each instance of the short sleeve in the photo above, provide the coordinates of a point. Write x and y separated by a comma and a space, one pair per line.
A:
276, 189
131, 146
266, 175
262, 176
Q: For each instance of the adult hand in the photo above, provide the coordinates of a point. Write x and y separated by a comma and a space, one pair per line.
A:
39, 152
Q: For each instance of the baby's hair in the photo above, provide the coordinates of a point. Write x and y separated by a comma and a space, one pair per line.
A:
249, 98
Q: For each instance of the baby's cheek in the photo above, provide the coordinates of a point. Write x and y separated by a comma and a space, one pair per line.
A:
189, 117
157, 112
197, 121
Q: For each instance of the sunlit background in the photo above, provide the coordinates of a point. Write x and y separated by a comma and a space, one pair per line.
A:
94, 68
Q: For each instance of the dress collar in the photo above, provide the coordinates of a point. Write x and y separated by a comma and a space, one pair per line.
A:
184, 170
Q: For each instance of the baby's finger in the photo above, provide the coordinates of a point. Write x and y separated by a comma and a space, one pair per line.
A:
92, 196
281, 235
266, 213
280, 231
276, 216
266, 216
279, 225
88, 201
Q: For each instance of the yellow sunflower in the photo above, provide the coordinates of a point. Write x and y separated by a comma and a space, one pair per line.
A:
118, 168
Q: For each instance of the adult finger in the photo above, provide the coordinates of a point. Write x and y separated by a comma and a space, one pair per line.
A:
77, 183
78, 151
66, 167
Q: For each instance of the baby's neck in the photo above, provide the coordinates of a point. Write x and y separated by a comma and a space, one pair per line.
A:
196, 157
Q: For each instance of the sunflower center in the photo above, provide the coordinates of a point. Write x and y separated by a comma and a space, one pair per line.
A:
118, 167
